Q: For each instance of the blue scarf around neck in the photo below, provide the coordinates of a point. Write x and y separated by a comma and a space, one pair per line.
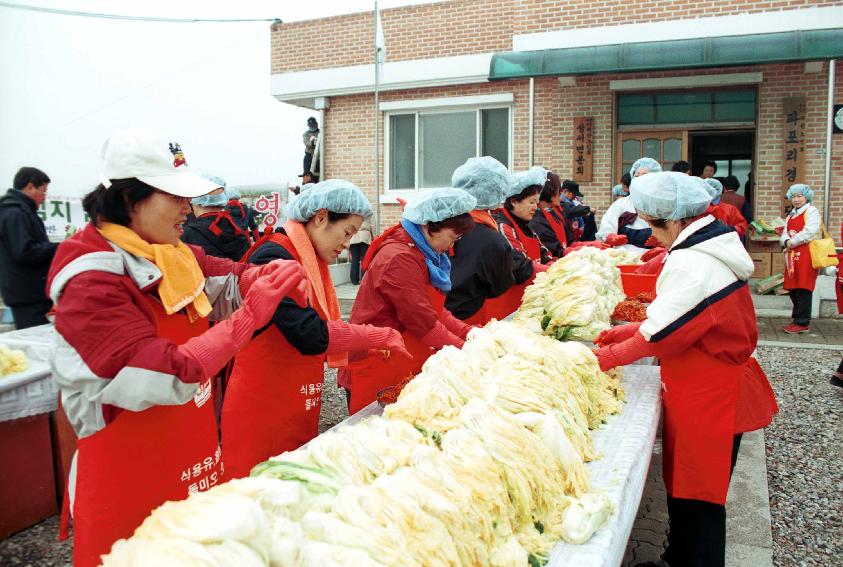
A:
438, 265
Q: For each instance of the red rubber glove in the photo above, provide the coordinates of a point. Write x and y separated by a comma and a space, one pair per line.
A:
616, 239
621, 354
654, 264
250, 276
454, 325
591, 243
652, 242
215, 347
616, 334
439, 336
538, 267
348, 337
650, 254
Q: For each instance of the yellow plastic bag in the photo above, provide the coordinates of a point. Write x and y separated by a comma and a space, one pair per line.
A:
823, 252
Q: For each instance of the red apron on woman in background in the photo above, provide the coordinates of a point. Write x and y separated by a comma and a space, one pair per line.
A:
799, 272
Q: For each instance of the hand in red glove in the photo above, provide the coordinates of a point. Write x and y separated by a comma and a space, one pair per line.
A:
213, 348
616, 239
623, 353
652, 242
348, 337
538, 267
616, 334
652, 253
291, 267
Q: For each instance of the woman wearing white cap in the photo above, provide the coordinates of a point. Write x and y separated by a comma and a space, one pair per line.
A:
134, 355
275, 390
409, 274
702, 327
488, 276
519, 207
800, 277
620, 223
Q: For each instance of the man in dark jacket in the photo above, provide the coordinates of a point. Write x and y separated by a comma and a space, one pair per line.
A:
25, 250
575, 214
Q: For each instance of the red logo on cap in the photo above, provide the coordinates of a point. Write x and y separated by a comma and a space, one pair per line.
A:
178, 156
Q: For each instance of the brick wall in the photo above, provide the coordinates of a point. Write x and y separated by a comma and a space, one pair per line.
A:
349, 133
465, 27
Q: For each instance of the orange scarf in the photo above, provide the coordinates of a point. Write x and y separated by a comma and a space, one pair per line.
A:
320, 289
484, 217
182, 284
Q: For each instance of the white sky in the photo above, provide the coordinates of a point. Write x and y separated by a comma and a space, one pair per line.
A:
67, 83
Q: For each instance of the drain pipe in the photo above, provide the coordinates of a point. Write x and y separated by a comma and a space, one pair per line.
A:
530, 122
828, 140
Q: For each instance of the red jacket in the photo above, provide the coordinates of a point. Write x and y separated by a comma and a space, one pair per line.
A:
108, 356
729, 215
394, 291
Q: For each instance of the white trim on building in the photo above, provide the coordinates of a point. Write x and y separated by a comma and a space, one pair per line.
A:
713, 26
687, 82
303, 87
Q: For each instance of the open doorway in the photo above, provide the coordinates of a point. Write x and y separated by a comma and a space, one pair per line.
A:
731, 150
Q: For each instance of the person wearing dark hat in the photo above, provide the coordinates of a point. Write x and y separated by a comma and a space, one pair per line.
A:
308, 177
310, 138
573, 212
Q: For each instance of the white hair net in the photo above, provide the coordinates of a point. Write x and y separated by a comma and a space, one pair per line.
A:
485, 178
714, 187
669, 195
306, 186
617, 191
801, 189
437, 205
336, 195
646, 163
534, 176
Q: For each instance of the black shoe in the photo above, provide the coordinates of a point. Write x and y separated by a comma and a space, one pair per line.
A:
836, 381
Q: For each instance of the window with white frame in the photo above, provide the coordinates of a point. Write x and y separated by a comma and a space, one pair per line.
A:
426, 146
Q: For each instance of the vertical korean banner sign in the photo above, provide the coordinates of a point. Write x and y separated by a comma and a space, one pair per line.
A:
793, 152
62, 216
583, 144
270, 209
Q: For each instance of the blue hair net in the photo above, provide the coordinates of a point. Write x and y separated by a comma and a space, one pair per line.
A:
801, 189
669, 195
617, 191
437, 205
534, 176
485, 178
715, 189
647, 163
209, 200
306, 186
220, 182
336, 195
233, 193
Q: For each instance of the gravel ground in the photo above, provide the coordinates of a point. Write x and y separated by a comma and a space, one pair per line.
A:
334, 408
804, 466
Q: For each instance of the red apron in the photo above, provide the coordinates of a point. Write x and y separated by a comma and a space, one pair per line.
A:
756, 400
143, 459
799, 273
272, 402
531, 244
373, 373
505, 304
700, 397
557, 227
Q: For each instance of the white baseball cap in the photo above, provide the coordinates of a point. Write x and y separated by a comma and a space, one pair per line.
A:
154, 158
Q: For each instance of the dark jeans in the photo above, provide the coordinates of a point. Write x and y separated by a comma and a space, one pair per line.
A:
30, 314
697, 536
356, 253
308, 164
801, 313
